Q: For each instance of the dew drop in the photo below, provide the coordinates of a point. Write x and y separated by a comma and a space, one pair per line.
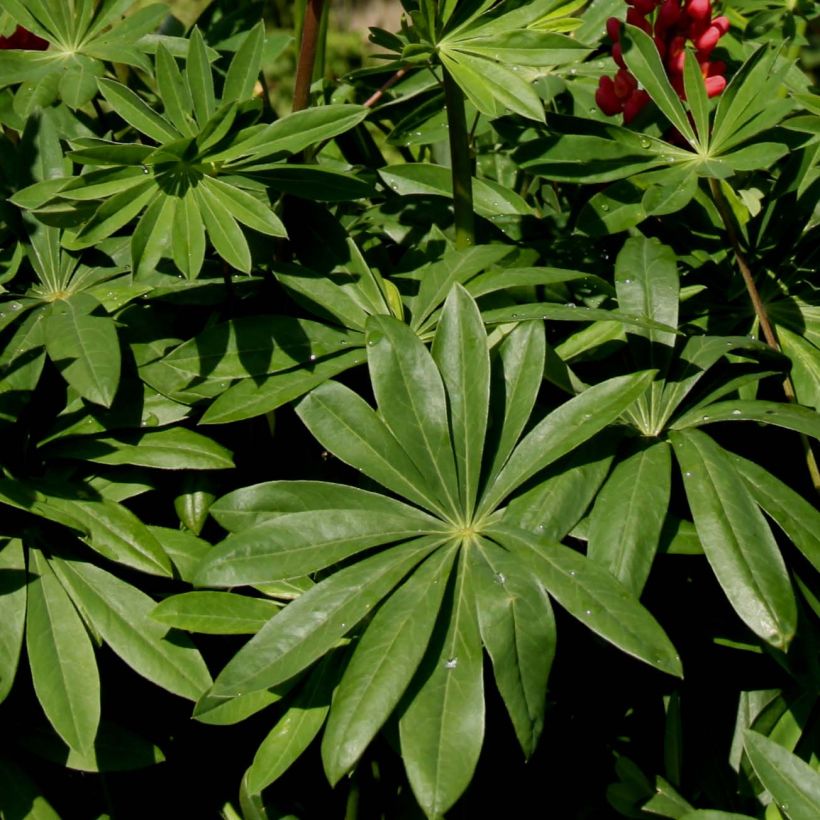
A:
573, 71
451, 663
627, 281
144, 169
15, 306
312, 357
592, 110
688, 474
645, 143
737, 412
587, 415
573, 572
587, 612
600, 63
501, 578
705, 418
604, 207
515, 316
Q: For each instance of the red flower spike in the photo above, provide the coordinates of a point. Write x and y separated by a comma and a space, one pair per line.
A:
675, 23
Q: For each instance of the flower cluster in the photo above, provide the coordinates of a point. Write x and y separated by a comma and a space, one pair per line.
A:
670, 23
23, 39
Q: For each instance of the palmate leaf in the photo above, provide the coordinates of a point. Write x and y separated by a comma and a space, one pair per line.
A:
419, 656
215, 613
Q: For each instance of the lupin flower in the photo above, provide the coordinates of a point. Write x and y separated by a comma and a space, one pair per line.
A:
24, 40
670, 23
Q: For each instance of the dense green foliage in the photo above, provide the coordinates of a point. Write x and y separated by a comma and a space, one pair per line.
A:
301, 414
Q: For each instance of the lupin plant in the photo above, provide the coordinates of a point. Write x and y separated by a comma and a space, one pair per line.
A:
360, 446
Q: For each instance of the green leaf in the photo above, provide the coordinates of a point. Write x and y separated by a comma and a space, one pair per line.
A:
85, 347
150, 239
442, 729
791, 416
626, 521
695, 88
295, 730
794, 784
565, 428
136, 113
517, 627
507, 89
174, 92
489, 199
383, 662
521, 358
122, 615
736, 539
198, 70
188, 236
311, 625
295, 132
245, 208
63, 667
228, 712
256, 346
300, 543
215, 613
643, 60
527, 47
348, 427
224, 233
562, 495
12, 611
113, 214
113, 531
183, 548
646, 282
593, 596
798, 518
172, 449
461, 355
253, 397
244, 68
251, 506
411, 398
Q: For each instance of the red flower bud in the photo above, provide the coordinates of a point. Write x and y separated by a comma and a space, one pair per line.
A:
721, 24
714, 85
24, 40
618, 56
606, 97
624, 84
613, 29
668, 15
635, 18
715, 68
707, 41
699, 10
643, 6
634, 105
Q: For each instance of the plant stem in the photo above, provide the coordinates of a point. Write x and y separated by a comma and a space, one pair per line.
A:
761, 312
307, 54
461, 163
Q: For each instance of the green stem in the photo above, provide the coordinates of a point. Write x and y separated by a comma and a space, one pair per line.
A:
461, 163
760, 311
307, 54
